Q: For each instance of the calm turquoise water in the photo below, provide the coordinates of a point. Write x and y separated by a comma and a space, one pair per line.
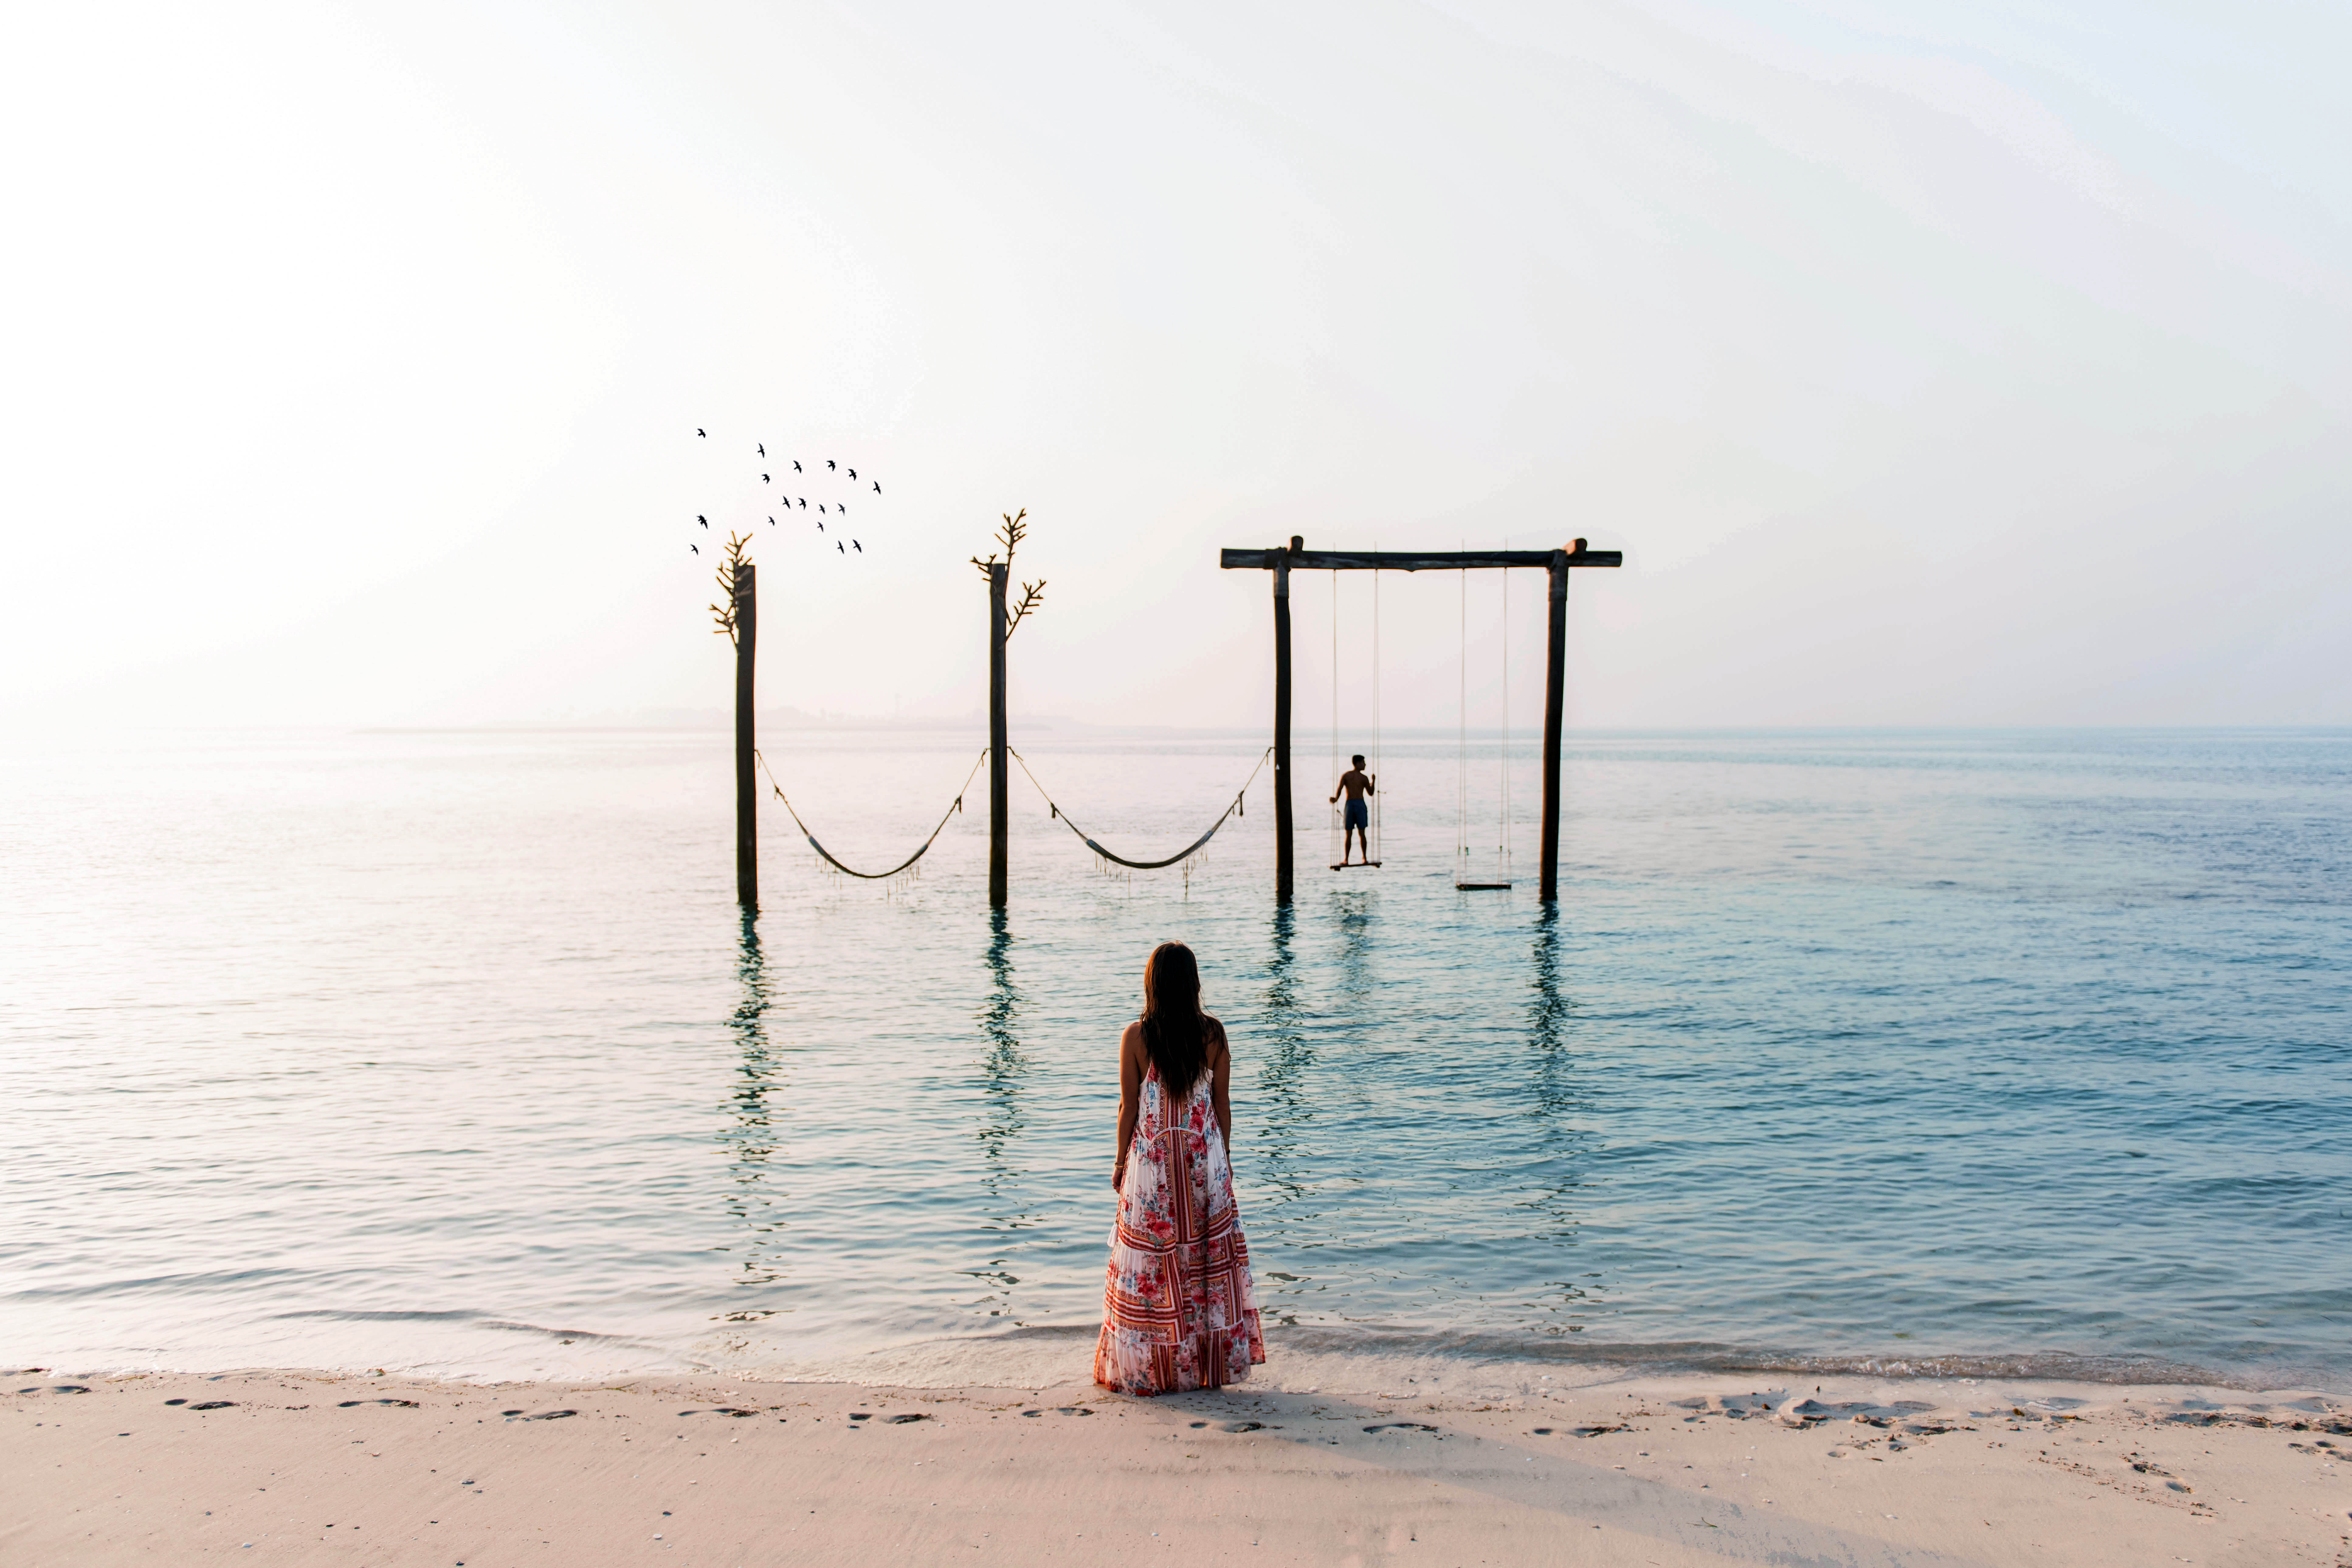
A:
2013, 1051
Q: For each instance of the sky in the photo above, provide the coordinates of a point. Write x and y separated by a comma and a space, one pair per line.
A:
1967, 364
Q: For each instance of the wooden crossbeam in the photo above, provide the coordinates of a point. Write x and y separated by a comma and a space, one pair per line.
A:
1408, 560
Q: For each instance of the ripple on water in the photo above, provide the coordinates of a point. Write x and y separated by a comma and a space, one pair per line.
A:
2003, 1052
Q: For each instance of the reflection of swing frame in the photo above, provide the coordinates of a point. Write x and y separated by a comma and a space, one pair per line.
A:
1280, 563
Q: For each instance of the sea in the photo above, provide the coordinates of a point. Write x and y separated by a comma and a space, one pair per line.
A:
1992, 1053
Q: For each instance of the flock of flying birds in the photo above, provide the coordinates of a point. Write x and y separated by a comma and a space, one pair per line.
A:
833, 508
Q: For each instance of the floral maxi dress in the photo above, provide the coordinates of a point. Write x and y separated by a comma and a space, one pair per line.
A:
1178, 1311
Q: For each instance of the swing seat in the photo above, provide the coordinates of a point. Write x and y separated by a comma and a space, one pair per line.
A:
1356, 865
1481, 887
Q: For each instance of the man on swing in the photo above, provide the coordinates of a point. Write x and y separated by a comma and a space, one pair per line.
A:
1356, 783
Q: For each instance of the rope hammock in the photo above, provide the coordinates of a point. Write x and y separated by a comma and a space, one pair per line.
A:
1187, 852
874, 876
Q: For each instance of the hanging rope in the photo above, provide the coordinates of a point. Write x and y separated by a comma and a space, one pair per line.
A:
1185, 853
1370, 832
1506, 716
1500, 879
1338, 829
1372, 839
1505, 577
851, 870
1462, 742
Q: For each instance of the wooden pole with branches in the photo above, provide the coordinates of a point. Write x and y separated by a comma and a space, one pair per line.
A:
737, 615
1002, 623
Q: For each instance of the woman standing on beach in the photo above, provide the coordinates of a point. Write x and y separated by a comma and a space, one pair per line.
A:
1178, 1311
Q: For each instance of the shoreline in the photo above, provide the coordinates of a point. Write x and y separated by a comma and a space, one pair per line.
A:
1364, 1358
1684, 1468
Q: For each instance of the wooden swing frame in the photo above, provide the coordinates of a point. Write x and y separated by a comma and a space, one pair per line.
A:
1281, 562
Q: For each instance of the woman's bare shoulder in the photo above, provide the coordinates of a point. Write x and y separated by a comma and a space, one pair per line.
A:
1218, 1045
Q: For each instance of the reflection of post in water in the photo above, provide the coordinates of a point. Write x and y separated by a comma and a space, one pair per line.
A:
1003, 1068
1277, 1121
1547, 1017
753, 1201
1555, 1143
1003, 1072
1550, 1011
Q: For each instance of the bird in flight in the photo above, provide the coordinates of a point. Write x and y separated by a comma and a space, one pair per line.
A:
861, 549
764, 480
690, 543
702, 433
820, 506
828, 462
877, 487
853, 475
805, 503
702, 519
820, 528
840, 506
837, 544
771, 522
763, 448
796, 465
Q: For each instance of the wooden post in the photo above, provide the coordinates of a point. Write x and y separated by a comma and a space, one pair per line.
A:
999, 795
747, 798
1554, 689
1281, 845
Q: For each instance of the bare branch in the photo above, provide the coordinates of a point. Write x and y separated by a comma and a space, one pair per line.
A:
730, 573
1033, 595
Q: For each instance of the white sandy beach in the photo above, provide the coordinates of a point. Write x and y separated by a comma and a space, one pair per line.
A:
317, 1468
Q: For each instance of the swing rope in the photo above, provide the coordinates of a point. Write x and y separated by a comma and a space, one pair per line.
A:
1372, 834
1462, 742
1501, 875
1338, 811
1504, 765
871, 876
1371, 829
1188, 850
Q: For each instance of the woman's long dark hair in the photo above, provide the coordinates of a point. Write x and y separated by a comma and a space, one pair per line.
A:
1175, 1034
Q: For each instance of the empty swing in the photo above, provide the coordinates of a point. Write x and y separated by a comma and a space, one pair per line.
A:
1465, 880
1371, 830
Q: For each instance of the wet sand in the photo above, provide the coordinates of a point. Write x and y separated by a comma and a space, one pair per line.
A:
318, 1467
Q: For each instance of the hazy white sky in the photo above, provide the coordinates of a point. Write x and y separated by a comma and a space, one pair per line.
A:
1959, 362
